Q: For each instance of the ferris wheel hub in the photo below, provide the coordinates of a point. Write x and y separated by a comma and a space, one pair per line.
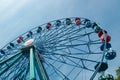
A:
27, 45
29, 42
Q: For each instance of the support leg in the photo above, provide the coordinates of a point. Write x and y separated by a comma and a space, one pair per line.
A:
32, 64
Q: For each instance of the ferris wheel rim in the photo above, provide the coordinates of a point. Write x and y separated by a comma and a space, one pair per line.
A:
48, 43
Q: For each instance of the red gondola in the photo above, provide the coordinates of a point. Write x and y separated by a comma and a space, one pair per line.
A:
105, 38
78, 21
48, 26
101, 32
20, 39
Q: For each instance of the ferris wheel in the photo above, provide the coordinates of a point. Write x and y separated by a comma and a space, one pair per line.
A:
65, 49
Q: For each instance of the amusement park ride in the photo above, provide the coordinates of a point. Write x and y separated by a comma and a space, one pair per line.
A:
65, 49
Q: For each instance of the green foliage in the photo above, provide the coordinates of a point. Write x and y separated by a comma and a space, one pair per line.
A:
118, 74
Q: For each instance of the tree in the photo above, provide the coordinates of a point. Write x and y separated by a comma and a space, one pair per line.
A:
118, 74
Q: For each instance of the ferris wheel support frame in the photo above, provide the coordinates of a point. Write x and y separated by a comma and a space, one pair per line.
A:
8, 65
36, 63
40, 68
32, 65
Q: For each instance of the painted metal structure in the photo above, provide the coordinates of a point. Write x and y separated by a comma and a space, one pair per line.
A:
65, 49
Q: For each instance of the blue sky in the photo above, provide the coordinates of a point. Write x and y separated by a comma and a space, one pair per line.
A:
17, 17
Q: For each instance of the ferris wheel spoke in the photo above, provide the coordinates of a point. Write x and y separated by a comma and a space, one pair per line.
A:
19, 73
18, 65
53, 61
51, 32
60, 30
62, 50
5, 75
58, 71
26, 72
52, 53
89, 44
73, 65
85, 43
75, 53
71, 45
21, 69
63, 62
65, 35
8, 56
53, 71
76, 63
11, 52
75, 78
74, 38
10, 64
48, 32
82, 64
80, 53
59, 67
71, 38
73, 57
73, 68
